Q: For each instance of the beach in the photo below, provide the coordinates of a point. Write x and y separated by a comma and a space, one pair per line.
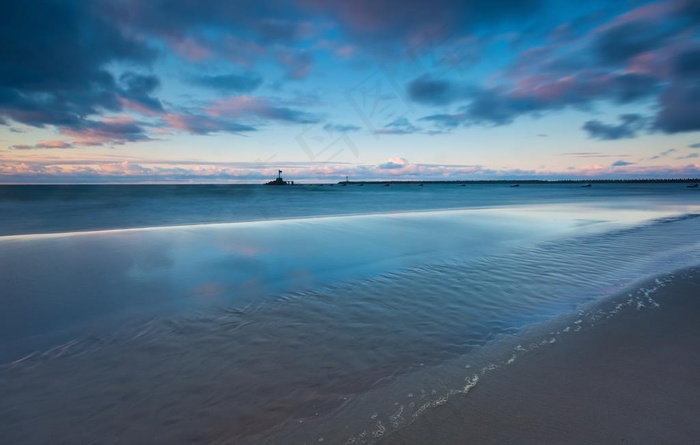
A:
631, 378
413, 325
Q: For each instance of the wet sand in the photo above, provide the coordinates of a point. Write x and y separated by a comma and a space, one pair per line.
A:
633, 378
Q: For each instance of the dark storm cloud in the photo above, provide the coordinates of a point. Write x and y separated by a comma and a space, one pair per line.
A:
52, 62
245, 30
620, 43
269, 20
405, 20
237, 83
138, 89
282, 30
493, 107
688, 63
679, 103
630, 125
629, 87
680, 108
54, 72
431, 91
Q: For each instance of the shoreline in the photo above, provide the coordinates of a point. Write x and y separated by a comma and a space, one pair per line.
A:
373, 181
629, 378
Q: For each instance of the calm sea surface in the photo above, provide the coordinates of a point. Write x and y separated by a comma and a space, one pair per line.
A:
251, 314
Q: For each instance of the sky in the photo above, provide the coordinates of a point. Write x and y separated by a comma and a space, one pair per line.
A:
209, 91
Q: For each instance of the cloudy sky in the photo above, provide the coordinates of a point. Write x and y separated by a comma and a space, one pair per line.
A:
213, 90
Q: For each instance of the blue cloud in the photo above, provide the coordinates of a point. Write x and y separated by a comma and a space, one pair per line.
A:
399, 126
630, 126
338, 128
431, 91
238, 83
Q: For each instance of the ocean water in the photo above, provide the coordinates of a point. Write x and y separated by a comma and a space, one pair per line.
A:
250, 314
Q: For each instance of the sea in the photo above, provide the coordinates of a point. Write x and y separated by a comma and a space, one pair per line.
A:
302, 314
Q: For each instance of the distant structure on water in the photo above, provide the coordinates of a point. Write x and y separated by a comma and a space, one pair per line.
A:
279, 180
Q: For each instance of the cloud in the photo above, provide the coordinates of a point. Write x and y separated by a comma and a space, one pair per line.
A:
533, 95
690, 156
620, 43
393, 163
646, 53
687, 63
431, 91
115, 130
203, 124
54, 62
237, 83
338, 128
592, 154
247, 107
629, 127
679, 107
137, 91
398, 126
236, 115
297, 62
378, 25
665, 153
621, 163
71, 66
697, 145
446, 121
52, 144
128, 171
273, 30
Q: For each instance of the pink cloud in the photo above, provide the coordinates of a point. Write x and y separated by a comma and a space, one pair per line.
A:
172, 171
52, 144
191, 50
344, 51
241, 51
654, 13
